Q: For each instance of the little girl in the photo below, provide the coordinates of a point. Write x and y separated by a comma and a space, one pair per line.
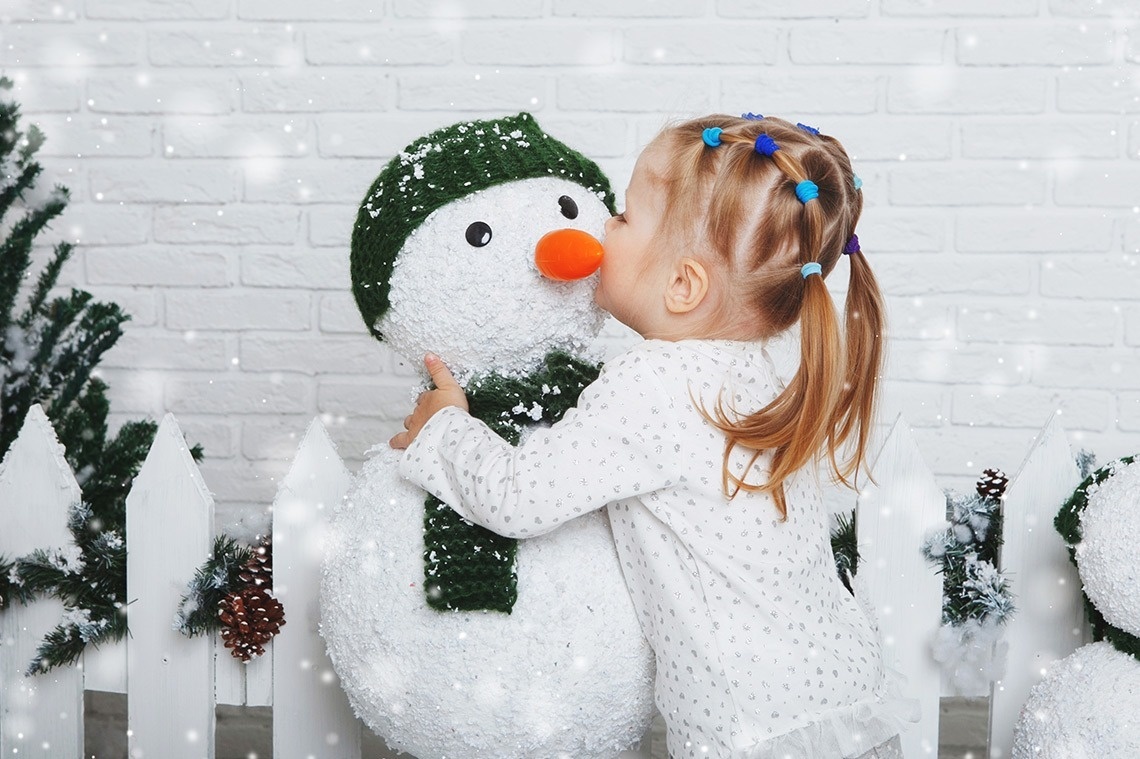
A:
706, 462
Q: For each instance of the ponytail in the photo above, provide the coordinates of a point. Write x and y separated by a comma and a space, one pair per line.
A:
830, 401
865, 322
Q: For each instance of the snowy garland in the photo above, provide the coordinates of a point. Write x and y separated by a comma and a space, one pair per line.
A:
1068, 524
198, 610
976, 599
89, 574
218, 598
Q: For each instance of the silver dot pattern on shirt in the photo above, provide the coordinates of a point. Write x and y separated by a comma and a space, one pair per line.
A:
754, 634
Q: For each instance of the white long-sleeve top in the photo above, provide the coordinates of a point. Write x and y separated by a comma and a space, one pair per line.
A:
760, 649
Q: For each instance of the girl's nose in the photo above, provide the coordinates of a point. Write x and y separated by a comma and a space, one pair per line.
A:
568, 254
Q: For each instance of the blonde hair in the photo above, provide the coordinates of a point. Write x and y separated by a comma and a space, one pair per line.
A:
750, 218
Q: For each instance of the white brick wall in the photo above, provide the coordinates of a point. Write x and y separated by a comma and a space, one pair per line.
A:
216, 151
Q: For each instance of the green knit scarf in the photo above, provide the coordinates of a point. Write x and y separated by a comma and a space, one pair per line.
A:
468, 567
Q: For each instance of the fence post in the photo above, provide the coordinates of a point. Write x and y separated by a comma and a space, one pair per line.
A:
894, 514
170, 678
1049, 621
311, 715
40, 715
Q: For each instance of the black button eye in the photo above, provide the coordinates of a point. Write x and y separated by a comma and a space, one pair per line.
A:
568, 206
478, 234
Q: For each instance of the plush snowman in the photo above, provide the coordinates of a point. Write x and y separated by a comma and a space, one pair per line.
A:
451, 641
1089, 703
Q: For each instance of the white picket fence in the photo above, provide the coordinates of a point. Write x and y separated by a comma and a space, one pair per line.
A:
173, 683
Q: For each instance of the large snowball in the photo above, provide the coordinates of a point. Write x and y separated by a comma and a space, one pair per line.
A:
1087, 707
1107, 553
566, 674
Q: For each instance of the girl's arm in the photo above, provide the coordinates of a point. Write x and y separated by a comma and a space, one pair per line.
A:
618, 442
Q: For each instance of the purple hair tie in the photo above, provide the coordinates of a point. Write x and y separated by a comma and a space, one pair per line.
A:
765, 145
852, 245
752, 116
806, 128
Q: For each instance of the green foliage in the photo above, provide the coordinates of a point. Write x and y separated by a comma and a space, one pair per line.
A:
198, 610
966, 552
49, 347
1068, 524
1068, 519
10, 587
845, 547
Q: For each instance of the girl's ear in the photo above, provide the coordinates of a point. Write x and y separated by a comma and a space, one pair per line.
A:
688, 285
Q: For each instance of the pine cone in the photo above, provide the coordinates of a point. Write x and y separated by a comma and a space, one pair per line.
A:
258, 571
992, 484
249, 619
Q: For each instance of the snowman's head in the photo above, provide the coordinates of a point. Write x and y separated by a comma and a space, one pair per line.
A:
443, 251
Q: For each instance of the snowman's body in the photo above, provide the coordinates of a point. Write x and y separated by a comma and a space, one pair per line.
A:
1088, 705
567, 673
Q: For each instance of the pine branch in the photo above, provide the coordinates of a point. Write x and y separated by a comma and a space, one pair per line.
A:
97, 332
198, 609
24, 170
107, 479
84, 426
45, 283
33, 141
39, 574
20, 183
16, 250
60, 647
12, 586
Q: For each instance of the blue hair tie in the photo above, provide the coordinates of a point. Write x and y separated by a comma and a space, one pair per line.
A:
806, 128
807, 190
813, 268
711, 136
858, 182
752, 116
765, 145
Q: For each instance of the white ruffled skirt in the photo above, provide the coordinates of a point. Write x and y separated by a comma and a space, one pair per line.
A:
856, 731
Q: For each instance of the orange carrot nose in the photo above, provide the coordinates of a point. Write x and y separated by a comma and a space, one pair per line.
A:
568, 254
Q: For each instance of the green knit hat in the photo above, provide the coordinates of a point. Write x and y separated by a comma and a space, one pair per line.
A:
448, 164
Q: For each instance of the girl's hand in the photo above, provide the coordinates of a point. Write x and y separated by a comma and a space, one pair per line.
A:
446, 393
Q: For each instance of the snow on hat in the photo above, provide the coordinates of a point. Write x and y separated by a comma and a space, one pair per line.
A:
445, 165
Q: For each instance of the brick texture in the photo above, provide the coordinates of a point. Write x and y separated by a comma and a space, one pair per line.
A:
950, 90
1046, 45
1097, 90
874, 45
674, 44
216, 151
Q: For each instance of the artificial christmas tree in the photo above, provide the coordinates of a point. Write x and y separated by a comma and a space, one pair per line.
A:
48, 349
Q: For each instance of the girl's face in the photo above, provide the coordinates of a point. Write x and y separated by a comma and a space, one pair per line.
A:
631, 282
